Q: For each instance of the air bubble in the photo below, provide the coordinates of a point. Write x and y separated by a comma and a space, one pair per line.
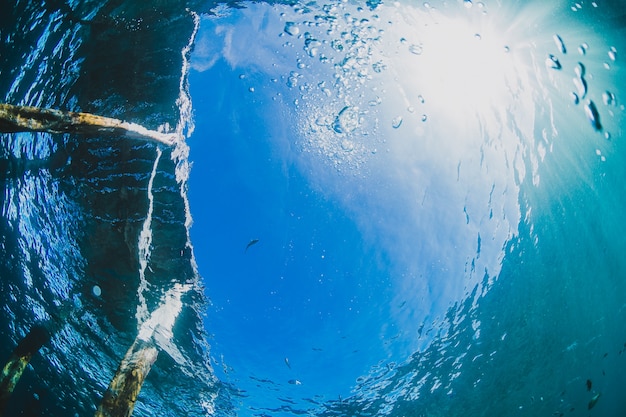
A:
608, 98
416, 49
96, 291
613, 54
559, 43
379, 66
581, 86
375, 102
291, 29
424, 117
592, 114
292, 80
347, 120
553, 62
580, 70
347, 145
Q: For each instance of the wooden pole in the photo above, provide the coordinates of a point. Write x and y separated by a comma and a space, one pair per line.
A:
36, 119
119, 399
21, 356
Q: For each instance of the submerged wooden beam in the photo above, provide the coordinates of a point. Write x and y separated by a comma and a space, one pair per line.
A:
36, 119
119, 399
21, 356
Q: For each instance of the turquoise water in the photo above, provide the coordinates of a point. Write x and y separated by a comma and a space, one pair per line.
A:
402, 209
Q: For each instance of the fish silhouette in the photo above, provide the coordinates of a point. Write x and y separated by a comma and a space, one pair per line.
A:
252, 242
593, 401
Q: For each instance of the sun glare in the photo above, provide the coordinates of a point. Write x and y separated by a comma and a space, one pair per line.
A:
463, 68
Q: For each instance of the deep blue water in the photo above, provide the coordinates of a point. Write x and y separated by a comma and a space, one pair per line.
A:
402, 209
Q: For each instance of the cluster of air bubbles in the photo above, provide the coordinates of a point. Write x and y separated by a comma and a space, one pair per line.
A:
324, 89
416, 49
580, 82
612, 57
311, 45
343, 128
379, 66
608, 98
292, 79
469, 4
612, 53
578, 6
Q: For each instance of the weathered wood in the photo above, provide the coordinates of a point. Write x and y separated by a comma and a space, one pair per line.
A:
17, 363
119, 399
36, 119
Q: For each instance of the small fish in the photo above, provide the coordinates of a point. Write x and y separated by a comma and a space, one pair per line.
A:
287, 363
294, 382
252, 242
588, 385
593, 401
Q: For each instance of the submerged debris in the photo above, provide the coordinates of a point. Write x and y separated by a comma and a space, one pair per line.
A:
15, 119
593, 401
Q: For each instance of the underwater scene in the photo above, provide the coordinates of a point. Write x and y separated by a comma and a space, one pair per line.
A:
300, 208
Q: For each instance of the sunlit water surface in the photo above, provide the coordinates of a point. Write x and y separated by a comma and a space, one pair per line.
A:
430, 187
392, 208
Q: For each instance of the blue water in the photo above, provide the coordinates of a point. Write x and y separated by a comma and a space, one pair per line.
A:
402, 209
